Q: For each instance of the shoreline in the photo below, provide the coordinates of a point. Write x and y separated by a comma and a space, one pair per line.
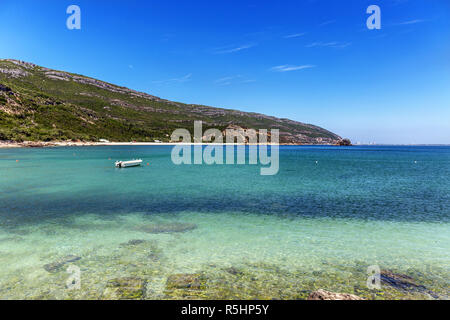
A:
54, 144
41, 144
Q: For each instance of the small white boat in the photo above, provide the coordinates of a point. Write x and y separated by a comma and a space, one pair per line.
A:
126, 164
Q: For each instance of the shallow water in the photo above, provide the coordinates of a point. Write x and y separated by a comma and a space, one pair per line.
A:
328, 215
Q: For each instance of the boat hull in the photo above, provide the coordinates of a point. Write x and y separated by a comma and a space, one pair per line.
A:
127, 164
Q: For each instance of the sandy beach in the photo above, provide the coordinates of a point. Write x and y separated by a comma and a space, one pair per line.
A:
40, 144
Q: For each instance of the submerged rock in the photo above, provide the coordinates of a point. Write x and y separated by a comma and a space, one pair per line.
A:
133, 242
127, 288
397, 280
53, 267
168, 227
403, 282
327, 295
70, 258
146, 250
234, 271
57, 265
194, 281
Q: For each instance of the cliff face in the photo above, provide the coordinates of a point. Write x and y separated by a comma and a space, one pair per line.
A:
38, 103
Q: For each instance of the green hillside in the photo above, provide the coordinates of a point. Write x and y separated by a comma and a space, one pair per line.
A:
40, 104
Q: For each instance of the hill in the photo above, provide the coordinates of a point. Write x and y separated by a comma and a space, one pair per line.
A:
41, 104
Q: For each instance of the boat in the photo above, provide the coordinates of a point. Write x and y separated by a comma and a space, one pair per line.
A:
126, 164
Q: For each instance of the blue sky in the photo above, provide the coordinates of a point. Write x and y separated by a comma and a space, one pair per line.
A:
313, 61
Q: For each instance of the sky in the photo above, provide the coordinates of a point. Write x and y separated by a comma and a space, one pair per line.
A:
313, 61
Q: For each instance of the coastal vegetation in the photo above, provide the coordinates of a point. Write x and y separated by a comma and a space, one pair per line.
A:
40, 104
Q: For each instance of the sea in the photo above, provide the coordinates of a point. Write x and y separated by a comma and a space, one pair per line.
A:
373, 221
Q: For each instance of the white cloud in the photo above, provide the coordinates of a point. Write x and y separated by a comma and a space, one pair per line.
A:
286, 68
179, 80
410, 22
295, 35
233, 49
227, 78
333, 44
327, 23
226, 81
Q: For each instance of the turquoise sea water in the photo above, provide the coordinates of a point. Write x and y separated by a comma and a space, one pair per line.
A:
329, 214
